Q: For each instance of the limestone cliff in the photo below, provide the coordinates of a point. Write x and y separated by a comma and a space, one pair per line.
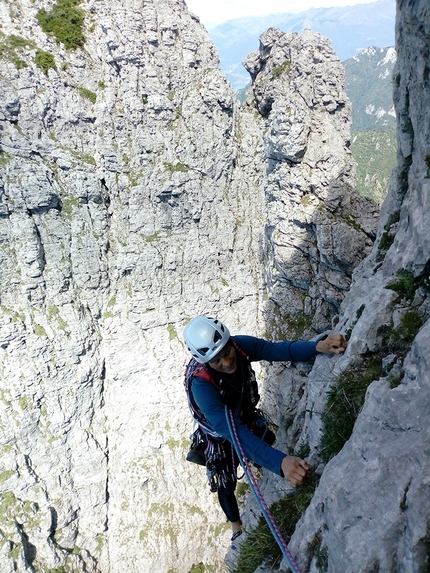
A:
371, 509
136, 192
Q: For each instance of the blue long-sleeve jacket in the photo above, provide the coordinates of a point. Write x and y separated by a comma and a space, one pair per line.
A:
210, 403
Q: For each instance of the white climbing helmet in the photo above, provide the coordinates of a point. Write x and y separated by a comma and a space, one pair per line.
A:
205, 337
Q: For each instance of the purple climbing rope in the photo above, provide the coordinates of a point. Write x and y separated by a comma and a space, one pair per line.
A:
257, 492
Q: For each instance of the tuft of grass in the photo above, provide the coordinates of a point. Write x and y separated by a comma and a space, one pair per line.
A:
86, 93
345, 400
404, 285
64, 22
260, 543
316, 549
302, 451
398, 340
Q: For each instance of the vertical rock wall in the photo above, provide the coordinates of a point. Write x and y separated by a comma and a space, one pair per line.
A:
371, 510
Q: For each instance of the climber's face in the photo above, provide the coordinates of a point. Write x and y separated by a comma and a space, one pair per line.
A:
225, 360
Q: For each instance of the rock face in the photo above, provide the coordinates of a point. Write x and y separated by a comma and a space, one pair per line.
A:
317, 227
370, 511
135, 192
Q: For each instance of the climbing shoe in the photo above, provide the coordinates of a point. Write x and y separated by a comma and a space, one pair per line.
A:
233, 555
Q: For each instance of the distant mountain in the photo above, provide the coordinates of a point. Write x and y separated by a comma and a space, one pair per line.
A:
368, 83
369, 86
375, 154
350, 29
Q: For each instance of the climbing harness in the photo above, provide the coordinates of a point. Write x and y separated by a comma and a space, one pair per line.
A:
273, 526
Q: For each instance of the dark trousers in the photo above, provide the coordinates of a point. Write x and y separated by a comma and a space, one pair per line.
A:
226, 496
228, 501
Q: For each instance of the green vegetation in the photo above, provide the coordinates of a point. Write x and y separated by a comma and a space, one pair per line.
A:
172, 168
369, 91
68, 204
375, 154
288, 326
45, 60
99, 541
172, 332
358, 314
302, 451
54, 313
398, 339
374, 142
277, 71
87, 158
39, 330
4, 157
260, 543
405, 284
315, 549
387, 237
4, 476
109, 308
151, 238
64, 22
346, 397
12, 48
88, 94
242, 491
345, 400
297, 324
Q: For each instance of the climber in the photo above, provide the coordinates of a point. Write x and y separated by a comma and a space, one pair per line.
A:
220, 374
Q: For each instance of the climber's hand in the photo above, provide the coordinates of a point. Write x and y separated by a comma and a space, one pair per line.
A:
295, 470
332, 344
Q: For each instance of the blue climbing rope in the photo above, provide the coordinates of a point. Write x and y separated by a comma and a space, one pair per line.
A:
273, 526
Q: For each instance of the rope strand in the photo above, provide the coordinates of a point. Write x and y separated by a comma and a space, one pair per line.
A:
273, 526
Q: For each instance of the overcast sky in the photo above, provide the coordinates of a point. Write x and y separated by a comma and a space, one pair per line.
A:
212, 12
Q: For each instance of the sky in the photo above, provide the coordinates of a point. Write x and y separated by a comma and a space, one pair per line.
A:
214, 12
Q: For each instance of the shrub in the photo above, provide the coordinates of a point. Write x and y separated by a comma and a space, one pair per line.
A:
45, 60
64, 22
